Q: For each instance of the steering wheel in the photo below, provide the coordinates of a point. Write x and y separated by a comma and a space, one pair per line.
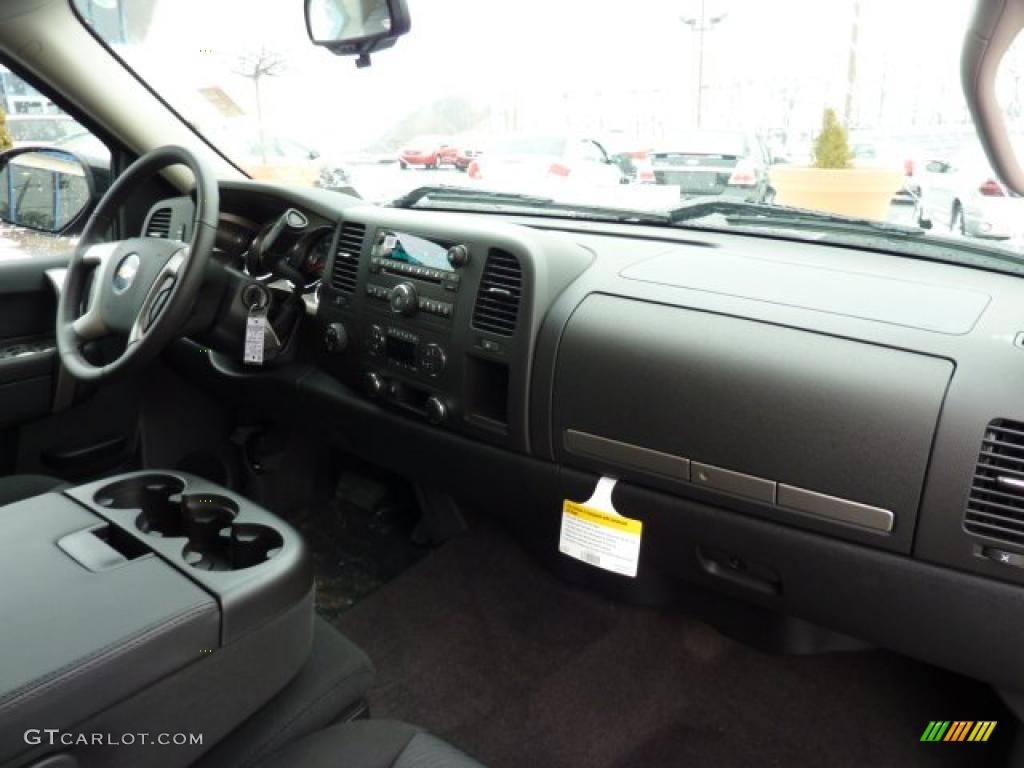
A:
143, 289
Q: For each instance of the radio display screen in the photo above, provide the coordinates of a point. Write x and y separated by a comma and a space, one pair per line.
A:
401, 351
418, 251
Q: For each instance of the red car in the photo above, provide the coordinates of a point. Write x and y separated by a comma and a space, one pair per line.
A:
465, 156
427, 152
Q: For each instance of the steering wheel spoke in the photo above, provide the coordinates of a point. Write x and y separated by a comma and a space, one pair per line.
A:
90, 325
158, 296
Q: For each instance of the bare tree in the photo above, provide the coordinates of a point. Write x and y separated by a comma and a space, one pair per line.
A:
256, 65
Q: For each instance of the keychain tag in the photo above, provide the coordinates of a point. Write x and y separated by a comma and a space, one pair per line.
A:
255, 336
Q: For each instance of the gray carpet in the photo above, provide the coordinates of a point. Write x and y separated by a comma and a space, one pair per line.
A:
481, 646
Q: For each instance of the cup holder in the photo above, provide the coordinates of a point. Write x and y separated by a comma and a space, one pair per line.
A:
157, 497
215, 541
241, 545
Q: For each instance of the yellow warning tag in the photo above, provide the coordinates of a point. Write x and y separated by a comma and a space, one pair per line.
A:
602, 538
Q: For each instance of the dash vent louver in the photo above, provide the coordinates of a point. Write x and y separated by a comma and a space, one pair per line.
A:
346, 258
160, 223
995, 506
501, 288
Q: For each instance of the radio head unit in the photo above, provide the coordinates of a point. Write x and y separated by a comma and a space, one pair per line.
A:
398, 249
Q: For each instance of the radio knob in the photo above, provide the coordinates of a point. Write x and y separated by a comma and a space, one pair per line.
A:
437, 411
375, 385
403, 299
336, 338
458, 256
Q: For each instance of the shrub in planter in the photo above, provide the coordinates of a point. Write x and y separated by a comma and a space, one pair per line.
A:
832, 184
831, 147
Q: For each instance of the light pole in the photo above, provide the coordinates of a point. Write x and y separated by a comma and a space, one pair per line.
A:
701, 24
851, 64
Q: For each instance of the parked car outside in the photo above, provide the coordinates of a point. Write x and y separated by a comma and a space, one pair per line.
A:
519, 160
288, 161
707, 163
41, 130
875, 153
427, 151
964, 194
468, 147
632, 156
447, 153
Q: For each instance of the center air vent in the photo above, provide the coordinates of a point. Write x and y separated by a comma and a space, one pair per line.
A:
995, 507
346, 258
501, 287
159, 223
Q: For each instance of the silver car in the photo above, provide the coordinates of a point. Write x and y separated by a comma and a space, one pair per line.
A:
965, 195
715, 164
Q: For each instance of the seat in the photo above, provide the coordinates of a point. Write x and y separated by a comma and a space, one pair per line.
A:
330, 688
370, 744
18, 487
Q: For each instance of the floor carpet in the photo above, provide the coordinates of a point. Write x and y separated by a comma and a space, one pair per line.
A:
481, 646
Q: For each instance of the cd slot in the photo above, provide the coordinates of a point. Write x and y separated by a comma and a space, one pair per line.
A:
415, 271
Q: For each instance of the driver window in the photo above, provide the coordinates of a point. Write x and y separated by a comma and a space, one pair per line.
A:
48, 161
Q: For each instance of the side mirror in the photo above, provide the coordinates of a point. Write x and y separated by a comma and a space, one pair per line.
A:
356, 27
44, 189
937, 166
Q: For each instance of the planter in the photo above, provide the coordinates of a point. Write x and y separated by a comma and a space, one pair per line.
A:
861, 192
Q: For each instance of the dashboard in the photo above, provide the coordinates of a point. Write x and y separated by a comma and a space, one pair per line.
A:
832, 435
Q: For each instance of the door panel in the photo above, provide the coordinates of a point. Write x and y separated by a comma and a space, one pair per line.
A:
27, 357
47, 423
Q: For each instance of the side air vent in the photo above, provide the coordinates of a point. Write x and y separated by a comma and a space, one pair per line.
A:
159, 223
501, 288
346, 259
995, 507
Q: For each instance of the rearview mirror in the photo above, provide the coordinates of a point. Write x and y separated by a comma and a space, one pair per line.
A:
994, 29
356, 27
44, 189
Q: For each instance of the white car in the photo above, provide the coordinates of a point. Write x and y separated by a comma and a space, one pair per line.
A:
526, 162
965, 195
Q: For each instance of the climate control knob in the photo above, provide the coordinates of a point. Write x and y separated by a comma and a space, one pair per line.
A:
376, 386
336, 338
437, 411
433, 359
403, 299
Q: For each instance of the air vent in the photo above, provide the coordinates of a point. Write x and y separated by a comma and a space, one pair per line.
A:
159, 223
995, 507
346, 259
497, 303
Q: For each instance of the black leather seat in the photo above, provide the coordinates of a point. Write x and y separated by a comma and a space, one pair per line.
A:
370, 744
17, 487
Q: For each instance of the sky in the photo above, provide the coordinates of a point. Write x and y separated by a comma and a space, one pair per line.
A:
630, 67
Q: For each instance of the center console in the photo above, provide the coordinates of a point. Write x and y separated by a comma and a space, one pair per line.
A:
436, 317
142, 604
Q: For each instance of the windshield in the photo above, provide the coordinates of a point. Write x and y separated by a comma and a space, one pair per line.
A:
685, 101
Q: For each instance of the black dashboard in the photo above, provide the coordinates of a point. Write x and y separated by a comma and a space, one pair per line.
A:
828, 433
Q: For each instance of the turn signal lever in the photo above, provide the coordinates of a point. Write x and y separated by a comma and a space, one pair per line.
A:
278, 265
